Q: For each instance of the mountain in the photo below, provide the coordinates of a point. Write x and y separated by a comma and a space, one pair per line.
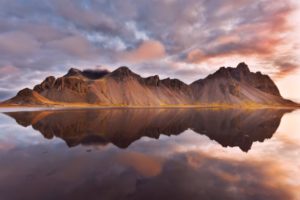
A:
121, 127
29, 97
122, 87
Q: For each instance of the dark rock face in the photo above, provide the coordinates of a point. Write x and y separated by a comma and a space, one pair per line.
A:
243, 68
152, 81
242, 74
257, 80
27, 97
174, 83
25, 92
74, 84
73, 72
264, 83
221, 73
45, 85
156, 82
123, 73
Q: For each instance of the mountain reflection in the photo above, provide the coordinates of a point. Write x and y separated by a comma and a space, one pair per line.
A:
121, 127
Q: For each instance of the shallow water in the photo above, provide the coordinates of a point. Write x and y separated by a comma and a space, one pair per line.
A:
150, 154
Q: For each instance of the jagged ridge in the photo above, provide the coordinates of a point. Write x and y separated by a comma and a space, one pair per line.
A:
227, 86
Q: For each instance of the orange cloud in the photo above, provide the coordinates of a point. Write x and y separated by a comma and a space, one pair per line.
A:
146, 165
148, 50
262, 48
225, 39
196, 56
263, 40
285, 68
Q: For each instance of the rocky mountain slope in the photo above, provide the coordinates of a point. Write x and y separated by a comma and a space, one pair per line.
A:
122, 87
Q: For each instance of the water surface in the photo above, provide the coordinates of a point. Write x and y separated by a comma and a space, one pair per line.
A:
150, 154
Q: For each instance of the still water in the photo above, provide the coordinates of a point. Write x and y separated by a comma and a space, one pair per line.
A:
150, 154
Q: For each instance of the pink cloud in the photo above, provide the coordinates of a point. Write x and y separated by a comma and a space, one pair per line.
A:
148, 50
146, 165
74, 45
262, 40
18, 42
7, 70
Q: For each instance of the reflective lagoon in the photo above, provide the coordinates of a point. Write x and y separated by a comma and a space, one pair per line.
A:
150, 154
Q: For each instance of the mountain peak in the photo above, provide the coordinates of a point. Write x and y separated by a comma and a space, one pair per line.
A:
152, 80
240, 71
29, 97
243, 67
223, 71
73, 72
122, 72
25, 92
232, 86
173, 83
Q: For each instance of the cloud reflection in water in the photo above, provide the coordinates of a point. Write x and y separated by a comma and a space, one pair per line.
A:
183, 166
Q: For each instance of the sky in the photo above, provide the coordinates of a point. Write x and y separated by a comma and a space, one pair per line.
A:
185, 39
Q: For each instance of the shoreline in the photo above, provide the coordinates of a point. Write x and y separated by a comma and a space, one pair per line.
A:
91, 106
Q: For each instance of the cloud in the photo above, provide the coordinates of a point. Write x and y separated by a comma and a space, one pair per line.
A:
146, 165
84, 16
4, 94
258, 39
17, 43
285, 68
135, 175
76, 46
148, 50
44, 32
178, 38
6, 70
